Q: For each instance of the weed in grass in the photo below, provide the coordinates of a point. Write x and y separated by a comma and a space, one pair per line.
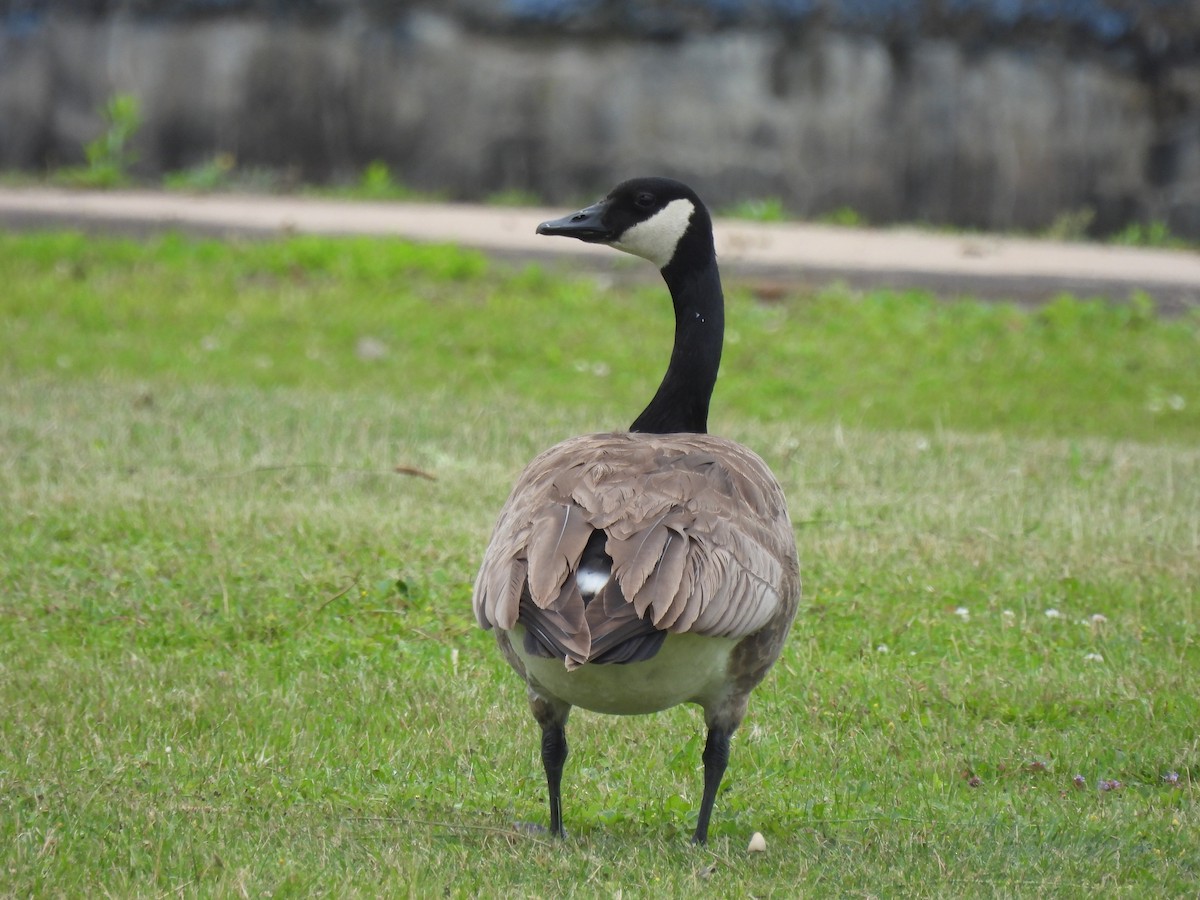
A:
766, 209
1072, 225
771, 209
513, 197
206, 177
109, 156
844, 217
377, 182
1147, 234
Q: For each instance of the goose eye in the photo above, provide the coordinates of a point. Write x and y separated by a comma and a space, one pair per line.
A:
644, 199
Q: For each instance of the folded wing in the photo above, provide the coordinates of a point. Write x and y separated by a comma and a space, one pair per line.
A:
696, 528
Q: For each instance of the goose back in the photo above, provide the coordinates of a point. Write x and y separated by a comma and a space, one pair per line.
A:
695, 525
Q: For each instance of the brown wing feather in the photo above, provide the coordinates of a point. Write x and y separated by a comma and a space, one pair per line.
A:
507, 593
696, 526
659, 591
687, 598
558, 535
636, 558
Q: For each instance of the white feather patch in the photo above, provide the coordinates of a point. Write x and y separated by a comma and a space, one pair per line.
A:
590, 581
656, 238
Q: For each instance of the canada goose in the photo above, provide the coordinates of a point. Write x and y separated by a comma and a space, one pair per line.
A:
632, 571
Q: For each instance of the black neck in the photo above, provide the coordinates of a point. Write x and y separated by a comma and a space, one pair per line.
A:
681, 403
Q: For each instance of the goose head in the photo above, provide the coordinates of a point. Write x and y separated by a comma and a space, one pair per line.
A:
664, 221
658, 219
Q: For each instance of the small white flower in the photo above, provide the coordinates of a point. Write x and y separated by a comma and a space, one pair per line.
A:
370, 348
963, 613
1093, 657
1099, 618
882, 648
599, 369
1053, 613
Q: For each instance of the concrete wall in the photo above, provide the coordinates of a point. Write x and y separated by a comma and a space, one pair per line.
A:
930, 127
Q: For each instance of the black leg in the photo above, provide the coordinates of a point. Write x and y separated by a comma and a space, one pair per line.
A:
716, 758
554, 754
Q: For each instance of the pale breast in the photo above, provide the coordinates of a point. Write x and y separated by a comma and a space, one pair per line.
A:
689, 668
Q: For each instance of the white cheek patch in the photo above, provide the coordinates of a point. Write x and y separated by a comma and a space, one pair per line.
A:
656, 238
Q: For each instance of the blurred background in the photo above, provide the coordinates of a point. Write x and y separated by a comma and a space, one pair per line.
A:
1072, 117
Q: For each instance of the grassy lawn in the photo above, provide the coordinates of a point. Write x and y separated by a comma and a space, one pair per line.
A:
244, 489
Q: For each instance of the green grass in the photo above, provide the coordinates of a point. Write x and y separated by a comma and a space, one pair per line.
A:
216, 174
377, 182
765, 209
1155, 233
236, 650
515, 197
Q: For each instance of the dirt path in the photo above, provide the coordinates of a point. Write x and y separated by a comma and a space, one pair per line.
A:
771, 255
